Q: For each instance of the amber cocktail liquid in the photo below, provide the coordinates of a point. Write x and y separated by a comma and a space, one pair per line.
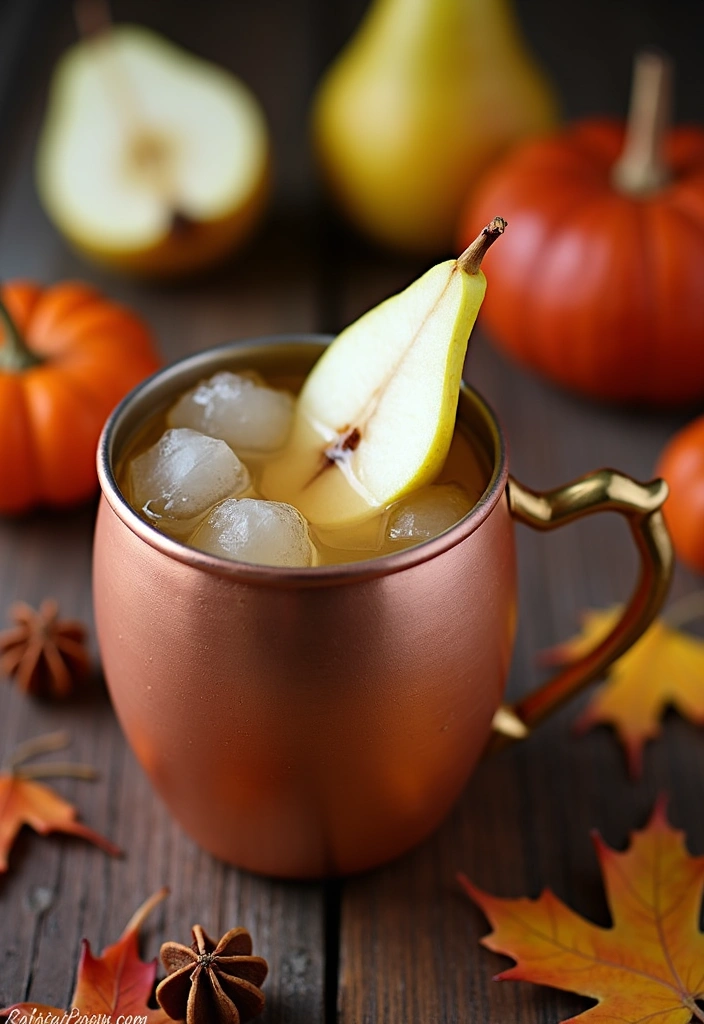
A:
206, 468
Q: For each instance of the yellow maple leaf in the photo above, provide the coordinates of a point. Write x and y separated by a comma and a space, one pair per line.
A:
664, 668
648, 966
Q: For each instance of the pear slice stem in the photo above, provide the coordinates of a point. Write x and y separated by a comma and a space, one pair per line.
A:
14, 354
471, 259
641, 169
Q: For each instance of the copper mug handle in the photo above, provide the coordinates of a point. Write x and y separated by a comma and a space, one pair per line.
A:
602, 491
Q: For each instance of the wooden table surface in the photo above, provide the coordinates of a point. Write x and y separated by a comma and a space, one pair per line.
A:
399, 944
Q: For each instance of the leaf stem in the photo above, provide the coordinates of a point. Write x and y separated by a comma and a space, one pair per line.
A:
63, 769
14, 354
471, 259
695, 1010
139, 916
641, 168
46, 744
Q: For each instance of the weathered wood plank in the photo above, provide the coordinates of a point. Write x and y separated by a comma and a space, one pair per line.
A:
409, 938
87, 893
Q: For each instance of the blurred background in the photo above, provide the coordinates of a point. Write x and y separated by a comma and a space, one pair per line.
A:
281, 48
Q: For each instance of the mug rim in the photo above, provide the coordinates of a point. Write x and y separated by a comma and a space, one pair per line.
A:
370, 568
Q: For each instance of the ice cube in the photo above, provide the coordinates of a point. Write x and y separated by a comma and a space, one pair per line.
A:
253, 530
183, 475
236, 408
427, 513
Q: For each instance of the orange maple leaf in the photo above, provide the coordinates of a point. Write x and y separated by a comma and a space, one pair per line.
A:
24, 802
649, 966
116, 984
664, 668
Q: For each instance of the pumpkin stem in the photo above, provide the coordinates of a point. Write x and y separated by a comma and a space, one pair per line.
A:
641, 168
471, 259
14, 354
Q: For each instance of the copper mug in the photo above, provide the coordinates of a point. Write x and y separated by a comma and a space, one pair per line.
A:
316, 722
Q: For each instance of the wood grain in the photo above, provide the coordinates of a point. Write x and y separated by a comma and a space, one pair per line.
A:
60, 890
409, 937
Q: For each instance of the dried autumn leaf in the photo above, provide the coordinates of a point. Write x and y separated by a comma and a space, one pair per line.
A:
649, 966
25, 802
664, 668
112, 986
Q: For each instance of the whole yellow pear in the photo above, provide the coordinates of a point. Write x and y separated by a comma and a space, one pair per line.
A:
423, 98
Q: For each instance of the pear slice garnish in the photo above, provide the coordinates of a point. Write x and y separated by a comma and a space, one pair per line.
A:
375, 417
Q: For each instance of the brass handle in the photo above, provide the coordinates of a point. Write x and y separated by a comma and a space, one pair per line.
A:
602, 491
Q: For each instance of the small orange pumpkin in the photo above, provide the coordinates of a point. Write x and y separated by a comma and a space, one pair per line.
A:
682, 466
67, 356
598, 282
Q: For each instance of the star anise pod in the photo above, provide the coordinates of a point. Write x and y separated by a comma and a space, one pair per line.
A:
217, 984
45, 656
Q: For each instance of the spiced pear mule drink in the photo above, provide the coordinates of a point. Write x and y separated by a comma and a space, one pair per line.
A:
304, 580
353, 467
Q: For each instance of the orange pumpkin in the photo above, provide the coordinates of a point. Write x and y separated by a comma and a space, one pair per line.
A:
682, 465
598, 282
67, 356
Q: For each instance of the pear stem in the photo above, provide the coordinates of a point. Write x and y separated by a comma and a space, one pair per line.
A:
14, 354
471, 259
92, 17
641, 169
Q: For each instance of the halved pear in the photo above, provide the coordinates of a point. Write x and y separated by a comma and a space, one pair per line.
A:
376, 415
150, 160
